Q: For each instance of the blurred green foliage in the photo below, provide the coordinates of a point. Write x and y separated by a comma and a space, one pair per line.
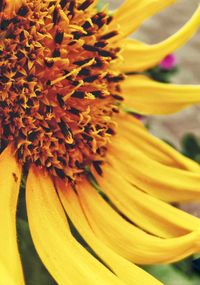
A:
190, 146
162, 75
174, 275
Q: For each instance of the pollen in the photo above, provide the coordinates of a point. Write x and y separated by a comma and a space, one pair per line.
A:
58, 93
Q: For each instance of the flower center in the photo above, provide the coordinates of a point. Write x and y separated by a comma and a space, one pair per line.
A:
58, 93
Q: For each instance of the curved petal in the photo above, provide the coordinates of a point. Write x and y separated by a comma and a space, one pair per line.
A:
146, 96
141, 57
134, 131
149, 213
67, 261
128, 240
10, 177
126, 271
164, 182
136, 13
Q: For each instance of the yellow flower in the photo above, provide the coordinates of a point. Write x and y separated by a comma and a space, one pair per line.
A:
62, 86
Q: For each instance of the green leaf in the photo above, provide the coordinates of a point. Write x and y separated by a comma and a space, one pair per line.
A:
171, 275
161, 75
190, 146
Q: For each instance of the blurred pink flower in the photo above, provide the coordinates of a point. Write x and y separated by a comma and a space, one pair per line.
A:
168, 62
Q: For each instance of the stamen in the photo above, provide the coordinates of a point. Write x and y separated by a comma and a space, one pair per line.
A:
109, 35
74, 111
78, 94
49, 63
66, 132
83, 62
56, 53
85, 4
72, 7
2, 5
60, 100
55, 16
59, 37
63, 3
97, 166
23, 11
58, 95
90, 48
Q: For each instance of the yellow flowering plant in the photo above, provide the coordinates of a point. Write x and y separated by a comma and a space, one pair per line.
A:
67, 71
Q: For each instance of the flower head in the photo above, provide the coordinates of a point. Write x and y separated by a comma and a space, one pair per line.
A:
67, 72
58, 91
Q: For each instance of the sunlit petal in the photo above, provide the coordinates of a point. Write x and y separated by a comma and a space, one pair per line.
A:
64, 257
165, 182
128, 240
10, 177
135, 133
146, 96
129, 17
140, 57
149, 213
125, 270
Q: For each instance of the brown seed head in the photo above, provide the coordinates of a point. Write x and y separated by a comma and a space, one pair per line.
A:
57, 90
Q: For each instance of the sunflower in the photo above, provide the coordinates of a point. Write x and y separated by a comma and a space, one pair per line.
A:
67, 73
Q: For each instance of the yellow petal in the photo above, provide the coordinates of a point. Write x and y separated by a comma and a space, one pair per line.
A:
132, 14
149, 213
125, 270
164, 182
67, 261
134, 131
128, 240
6, 279
141, 57
10, 176
147, 96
